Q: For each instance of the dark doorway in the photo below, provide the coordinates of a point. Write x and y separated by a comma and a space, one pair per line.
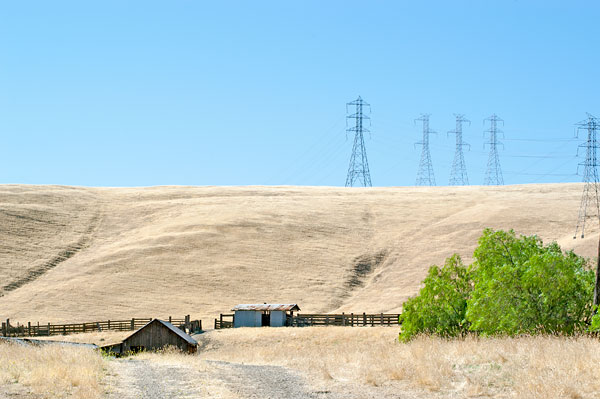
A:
266, 319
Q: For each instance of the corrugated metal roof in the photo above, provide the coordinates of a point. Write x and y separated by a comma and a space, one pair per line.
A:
171, 327
267, 306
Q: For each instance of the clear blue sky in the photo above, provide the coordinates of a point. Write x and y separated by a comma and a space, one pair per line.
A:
132, 93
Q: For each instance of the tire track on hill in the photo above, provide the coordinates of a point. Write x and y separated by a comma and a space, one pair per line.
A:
64, 255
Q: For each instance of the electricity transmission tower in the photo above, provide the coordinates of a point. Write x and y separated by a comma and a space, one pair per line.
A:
358, 170
425, 175
493, 174
590, 172
458, 174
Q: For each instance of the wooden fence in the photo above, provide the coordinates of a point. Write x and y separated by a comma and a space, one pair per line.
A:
343, 319
346, 319
36, 330
224, 321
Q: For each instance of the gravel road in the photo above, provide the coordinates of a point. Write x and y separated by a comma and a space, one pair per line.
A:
135, 378
143, 379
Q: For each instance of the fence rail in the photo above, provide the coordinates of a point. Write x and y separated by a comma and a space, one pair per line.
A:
37, 330
222, 321
342, 319
346, 319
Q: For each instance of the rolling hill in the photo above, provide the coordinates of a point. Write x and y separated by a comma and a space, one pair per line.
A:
77, 254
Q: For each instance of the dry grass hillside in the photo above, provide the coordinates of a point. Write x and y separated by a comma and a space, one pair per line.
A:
76, 254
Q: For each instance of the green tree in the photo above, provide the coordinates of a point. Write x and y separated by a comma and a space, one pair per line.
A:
441, 304
515, 285
522, 286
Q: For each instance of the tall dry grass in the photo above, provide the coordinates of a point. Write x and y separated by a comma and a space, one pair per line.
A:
51, 371
524, 367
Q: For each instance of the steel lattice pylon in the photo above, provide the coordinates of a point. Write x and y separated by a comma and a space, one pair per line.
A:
590, 173
493, 174
458, 174
425, 175
358, 170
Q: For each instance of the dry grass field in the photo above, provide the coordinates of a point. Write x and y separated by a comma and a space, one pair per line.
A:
77, 254
333, 362
50, 372
372, 359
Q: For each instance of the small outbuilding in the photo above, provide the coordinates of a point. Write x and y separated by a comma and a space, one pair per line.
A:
155, 335
263, 315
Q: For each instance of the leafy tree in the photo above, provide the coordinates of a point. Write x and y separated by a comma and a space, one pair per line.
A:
522, 286
516, 285
441, 304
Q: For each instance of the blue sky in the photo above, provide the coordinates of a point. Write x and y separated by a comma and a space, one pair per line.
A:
135, 93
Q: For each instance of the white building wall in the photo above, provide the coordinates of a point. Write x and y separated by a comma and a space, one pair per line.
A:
247, 318
277, 318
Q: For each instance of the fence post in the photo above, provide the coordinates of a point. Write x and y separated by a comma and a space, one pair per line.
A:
48, 329
187, 324
170, 319
215, 324
133, 323
29, 328
343, 319
382, 319
364, 319
4, 329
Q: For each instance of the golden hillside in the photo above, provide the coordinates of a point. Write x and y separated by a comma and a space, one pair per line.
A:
77, 254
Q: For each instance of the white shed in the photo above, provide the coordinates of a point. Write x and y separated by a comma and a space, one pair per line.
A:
263, 315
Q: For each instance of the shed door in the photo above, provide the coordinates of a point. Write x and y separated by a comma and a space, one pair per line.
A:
277, 318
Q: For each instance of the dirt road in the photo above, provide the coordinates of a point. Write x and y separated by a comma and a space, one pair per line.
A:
141, 378
133, 378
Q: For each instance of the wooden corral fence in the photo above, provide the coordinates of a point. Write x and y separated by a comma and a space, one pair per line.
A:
342, 319
224, 321
346, 319
37, 330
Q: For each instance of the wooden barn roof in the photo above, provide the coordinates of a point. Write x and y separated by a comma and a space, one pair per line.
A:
267, 306
171, 327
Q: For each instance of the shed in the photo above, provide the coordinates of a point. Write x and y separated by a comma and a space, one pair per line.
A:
155, 335
263, 315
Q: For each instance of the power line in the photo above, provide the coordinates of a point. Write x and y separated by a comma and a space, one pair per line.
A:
493, 174
458, 174
358, 170
425, 175
590, 173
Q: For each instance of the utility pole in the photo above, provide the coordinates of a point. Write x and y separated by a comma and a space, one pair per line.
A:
590, 189
493, 174
458, 174
358, 170
425, 175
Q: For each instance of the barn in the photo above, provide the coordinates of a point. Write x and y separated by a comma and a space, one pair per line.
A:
155, 335
263, 315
